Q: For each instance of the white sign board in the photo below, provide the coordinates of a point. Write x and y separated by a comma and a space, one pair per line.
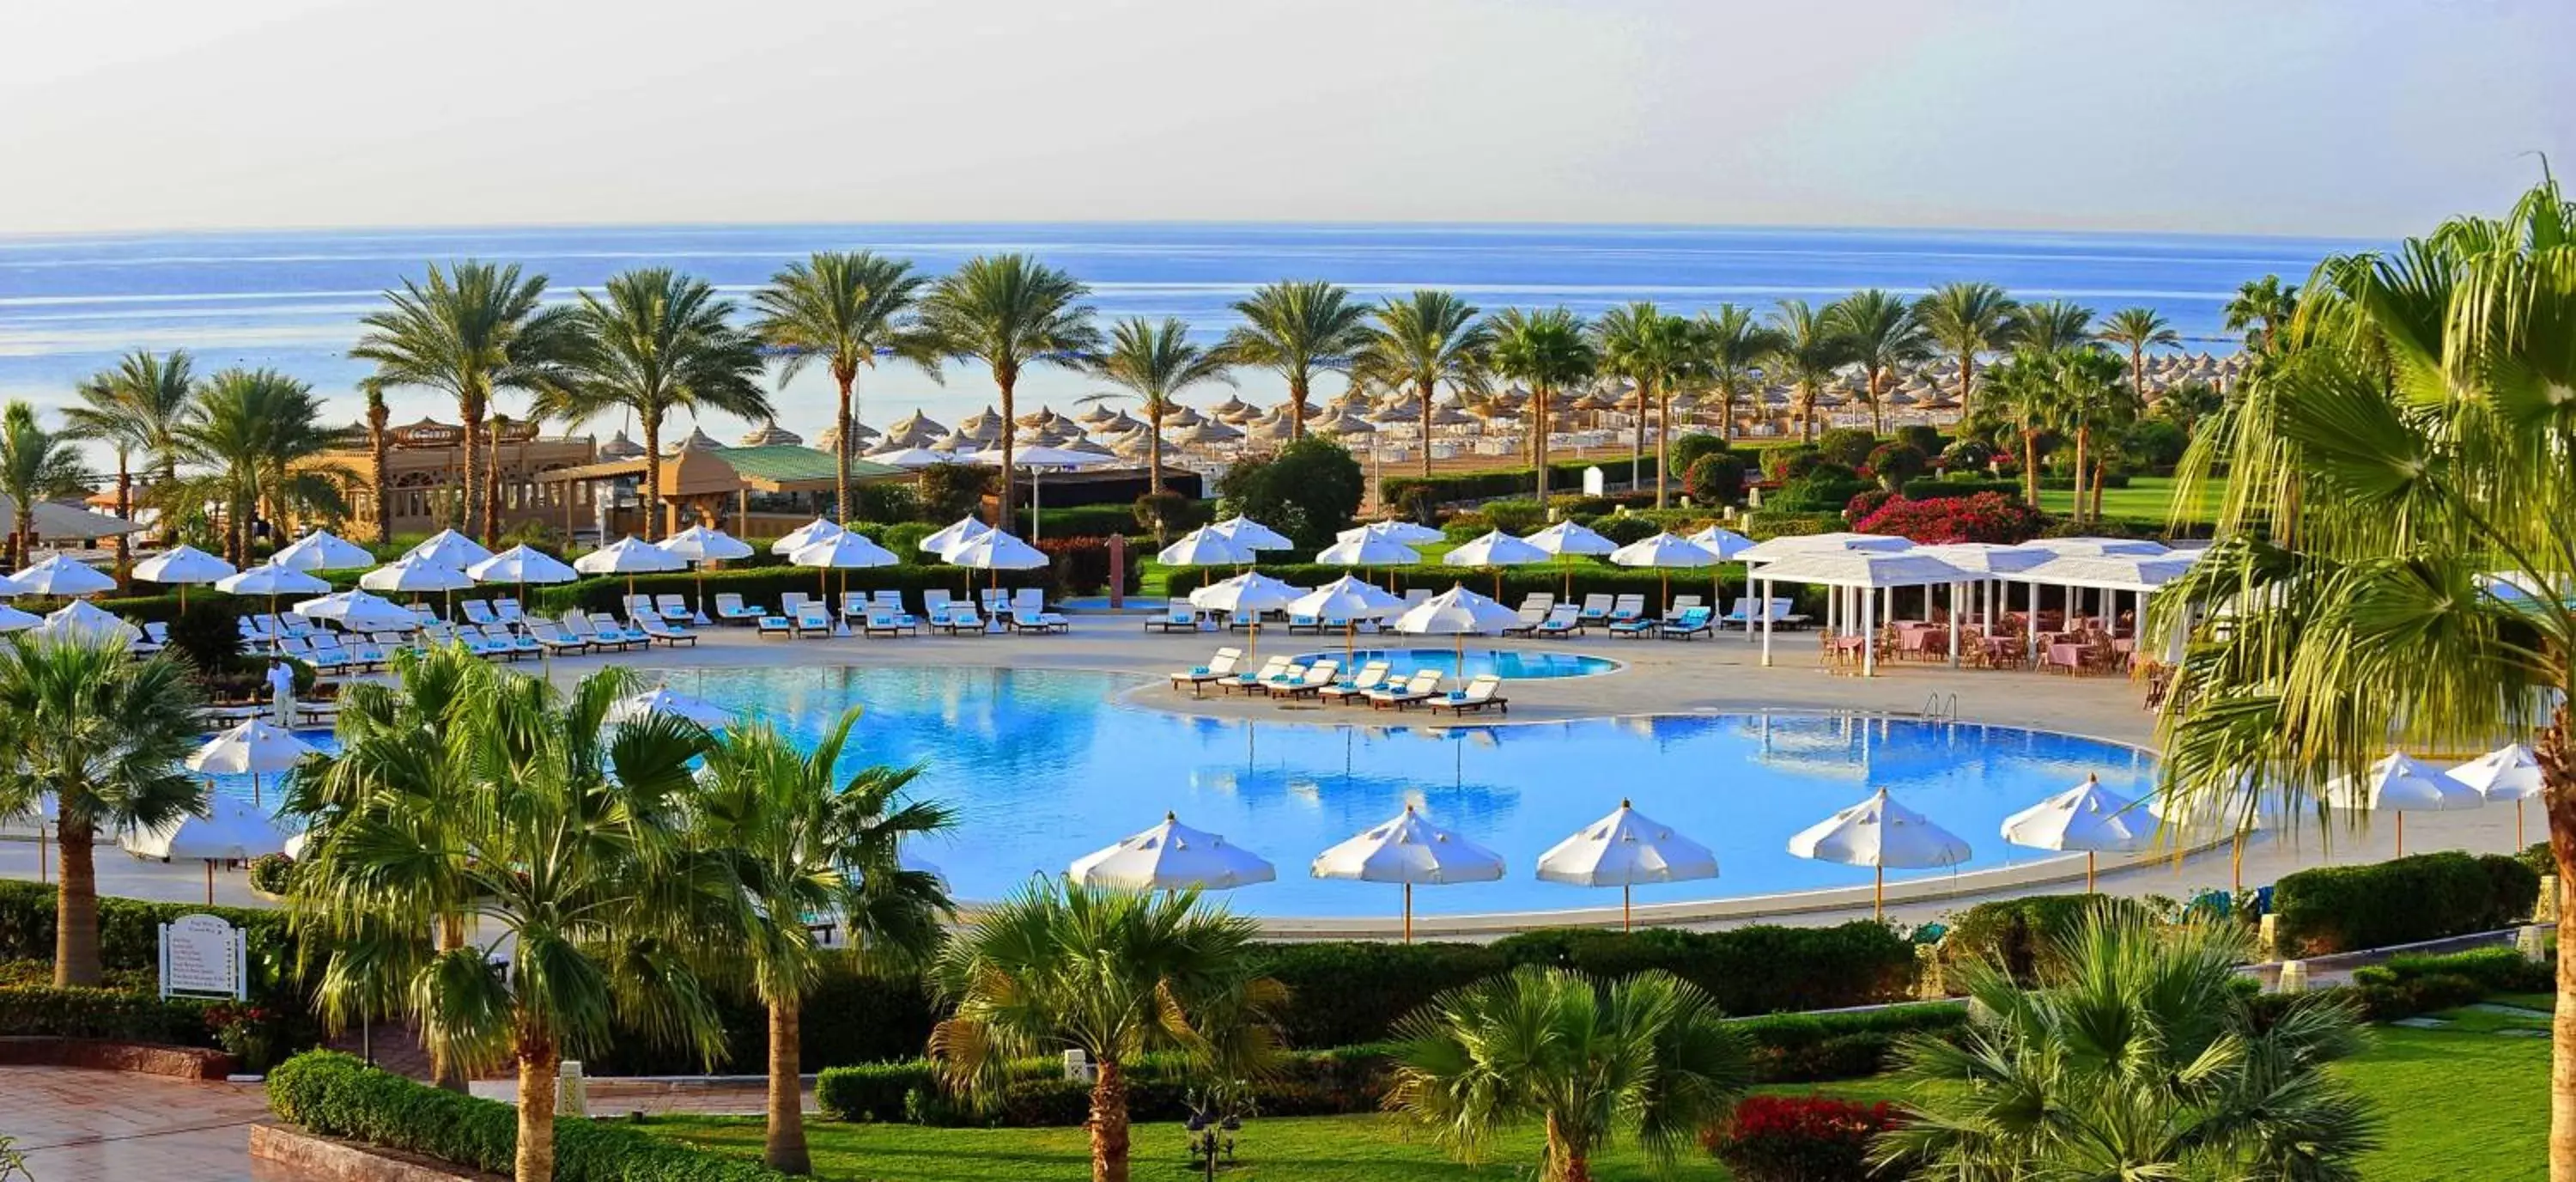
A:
1593, 483
202, 956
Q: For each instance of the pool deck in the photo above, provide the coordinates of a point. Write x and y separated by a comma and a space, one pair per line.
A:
1722, 674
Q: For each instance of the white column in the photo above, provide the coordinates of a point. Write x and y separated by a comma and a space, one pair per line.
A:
1868, 634
1764, 599
2030, 622
1954, 623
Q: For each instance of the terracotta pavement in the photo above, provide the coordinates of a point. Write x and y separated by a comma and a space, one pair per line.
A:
76, 1125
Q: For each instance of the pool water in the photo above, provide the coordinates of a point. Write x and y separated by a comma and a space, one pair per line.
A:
1508, 664
1045, 766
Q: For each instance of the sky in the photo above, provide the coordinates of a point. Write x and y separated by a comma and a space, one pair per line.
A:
2363, 118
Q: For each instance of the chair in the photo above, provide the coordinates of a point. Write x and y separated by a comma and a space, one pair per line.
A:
1783, 614
1302, 623
1564, 619
1533, 613
1741, 613
1371, 676
1275, 682
669, 634
1627, 608
1692, 622
1634, 626
507, 610
606, 625
1680, 604
1028, 601
854, 605
961, 618
1270, 669
295, 625
1240, 619
996, 600
889, 599
1312, 681
1218, 668
730, 609
1028, 618
880, 620
478, 613
1480, 693
260, 626
778, 626
635, 606
1596, 608
789, 601
1178, 616
812, 620
551, 635
1418, 688
510, 645
934, 604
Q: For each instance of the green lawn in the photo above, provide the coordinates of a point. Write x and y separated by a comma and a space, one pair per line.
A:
2458, 1103
2147, 497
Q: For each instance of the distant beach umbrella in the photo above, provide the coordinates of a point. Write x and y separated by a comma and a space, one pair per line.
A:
1623, 850
2510, 772
522, 565
1253, 533
449, 548
1664, 553
846, 550
323, 550
1410, 851
700, 545
60, 576
1170, 857
1205, 547
228, 829
629, 556
803, 536
252, 748
910, 457
1367, 550
1720, 541
2087, 817
1880, 833
14, 620
1565, 538
181, 566
2400, 785
273, 580
411, 574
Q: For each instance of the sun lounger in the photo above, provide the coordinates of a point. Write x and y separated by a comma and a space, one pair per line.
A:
665, 632
509, 644
1313, 681
551, 636
1028, 601
1628, 608
730, 609
674, 608
1218, 668
812, 620
1038, 620
1302, 623
778, 626
1372, 675
1596, 609
1692, 622
1533, 613
507, 610
1480, 693
1741, 614
889, 599
1784, 614
1418, 688
607, 626
961, 618
1680, 604
1564, 619
1240, 619
1271, 669
1178, 616
478, 613
934, 604
1277, 681
880, 620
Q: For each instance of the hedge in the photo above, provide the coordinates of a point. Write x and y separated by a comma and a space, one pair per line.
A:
1759, 969
1929, 488
339, 1096
1346, 992
2423, 897
1809, 1048
1565, 475
2021, 935
129, 930
849, 1017
115, 1015
2407, 986
1762, 525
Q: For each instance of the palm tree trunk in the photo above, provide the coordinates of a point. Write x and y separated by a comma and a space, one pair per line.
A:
2097, 490
841, 447
1663, 445
1297, 408
2082, 436
1637, 444
1007, 379
2030, 467
1877, 407
76, 906
652, 426
1967, 374
492, 483
1108, 1124
2555, 749
473, 473
1538, 443
22, 532
1566, 1161
784, 1148
1426, 430
125, 509
447, 1073
1154, 470
382, 455
536, 1156
1806, 414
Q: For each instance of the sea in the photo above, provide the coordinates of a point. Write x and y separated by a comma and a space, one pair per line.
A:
291, 299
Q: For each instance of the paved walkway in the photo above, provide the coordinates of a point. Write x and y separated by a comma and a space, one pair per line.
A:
77, 1125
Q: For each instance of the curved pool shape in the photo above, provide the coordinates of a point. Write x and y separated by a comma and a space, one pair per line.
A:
1045, 766
1508, 664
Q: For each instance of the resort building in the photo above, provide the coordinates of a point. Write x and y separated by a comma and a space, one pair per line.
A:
767, 486
425, 471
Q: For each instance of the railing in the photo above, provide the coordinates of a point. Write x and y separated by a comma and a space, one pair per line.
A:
1941, 707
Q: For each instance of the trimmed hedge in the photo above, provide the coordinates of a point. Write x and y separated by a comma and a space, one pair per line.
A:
849, 1017
2407, 986
129, 930
337, 1095
1346, 992
2423, 897
1036, 1095
115, 1015
1506, 482
1759, 969
1808, 1048
2021, 935
1931, 489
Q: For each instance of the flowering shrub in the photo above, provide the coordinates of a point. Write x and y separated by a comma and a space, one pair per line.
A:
254, 1033
1985, 517
1799, 1138
1862, 505
273, 873
1892, 464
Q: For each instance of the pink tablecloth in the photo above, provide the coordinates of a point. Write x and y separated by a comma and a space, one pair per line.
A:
2069, 655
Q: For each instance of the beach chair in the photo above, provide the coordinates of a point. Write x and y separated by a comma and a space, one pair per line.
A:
1313, 681
675, 608
730, 609
259, 626
607, 626
511, 645
789, 601
1692, 622
1421, 687
961, 618
889, 599
812, 620
551, 636
1741, 613
1372, 675
934, 604
296, 626
1030, 617
1541, 600
394, 642
1178, 616
1596, 608
854, 605
1304, 623
1628, 608
778, 626
156, 636
1240, 619
635, 606
880, 620
477, 612
1482, 690
327, 644
667, 633
1028, 601
996, 601
1272, 668
1218, 668
1784, 614
1533, 613
368, 653
1564, 619
1680, 604
508, 611
1634, 627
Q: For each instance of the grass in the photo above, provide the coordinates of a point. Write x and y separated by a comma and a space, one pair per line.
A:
2148, 498
2457, 1104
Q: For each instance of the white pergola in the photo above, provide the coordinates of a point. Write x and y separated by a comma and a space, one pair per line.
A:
2107, 575
1794, 545
1851, 575
1994, 565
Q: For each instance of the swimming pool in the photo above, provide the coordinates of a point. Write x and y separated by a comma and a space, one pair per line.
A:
1045, 766
1508, 664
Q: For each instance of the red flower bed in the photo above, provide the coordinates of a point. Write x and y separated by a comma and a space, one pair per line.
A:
1799, 1138
1985, 517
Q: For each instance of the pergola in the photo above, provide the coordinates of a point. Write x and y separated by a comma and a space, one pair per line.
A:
2107, 575
1852, 575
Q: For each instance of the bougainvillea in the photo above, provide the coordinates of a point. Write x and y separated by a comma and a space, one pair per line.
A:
1985, 517
1799, 1138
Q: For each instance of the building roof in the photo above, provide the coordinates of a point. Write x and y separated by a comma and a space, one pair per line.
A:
788, 461
773, 468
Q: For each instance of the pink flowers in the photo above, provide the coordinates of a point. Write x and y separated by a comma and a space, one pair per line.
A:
1985, 517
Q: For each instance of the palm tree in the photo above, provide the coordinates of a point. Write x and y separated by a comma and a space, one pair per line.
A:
251, 431
2260, 309
1011, 311
659, 342
1965, 320
1424, 340
1111, 973
1806, 348
2053, 325
1551, 352
2188, 403
2137, 330
35, 465
805, 841
103, 734
570, 841
1882, 334
1648, 1052
380, 460
1298, 329
135, 409
2137, 1059
1642, 344
1154, 363
470, 331
2030, 398
845, 308
1731, 346
2432, 420
2089, 399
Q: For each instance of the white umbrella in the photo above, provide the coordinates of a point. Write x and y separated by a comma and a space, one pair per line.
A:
1456, 612
1666, 553
1566, 537
182, 565
86, 623
909, 457
1251, 593
449, 548
958, 533
521, 565
1169, 857
661, 700
14, 620
416, 574
1205, 547
272, 580
844, 551
700, 543
229, 830
803, 536
1409, 850
1350, 599
1498, 550
2400, 785
1368, 550
1624, 849
1253, 534
1720, 541
323, 550
360, 611
1402, 533
59, 575
2087, 817
2509, 772
995, 550
251, 748
1879, 833
629, 556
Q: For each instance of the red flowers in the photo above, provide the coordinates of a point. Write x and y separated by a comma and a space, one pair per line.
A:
1800, 1138
1984, 517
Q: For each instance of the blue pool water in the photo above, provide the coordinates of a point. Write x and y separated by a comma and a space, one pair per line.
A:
1045, 766
1510, 665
